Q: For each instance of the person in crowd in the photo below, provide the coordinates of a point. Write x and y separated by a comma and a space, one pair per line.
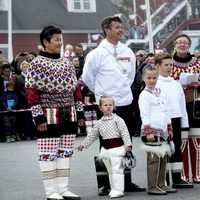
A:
50, 86
184, 62
177, 111
7, 74
9, 103
197, 53
137, 87
141, 57
78, 51
69, 51
155, 132
110, 70
115, 142
25, 121
20, 56
75, 63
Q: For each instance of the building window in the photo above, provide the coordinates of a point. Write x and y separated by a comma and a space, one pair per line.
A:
81, 6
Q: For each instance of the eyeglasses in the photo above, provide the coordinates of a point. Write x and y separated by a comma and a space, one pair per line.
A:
140, 55
182, 42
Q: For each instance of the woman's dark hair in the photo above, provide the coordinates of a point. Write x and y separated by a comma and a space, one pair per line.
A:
48, 32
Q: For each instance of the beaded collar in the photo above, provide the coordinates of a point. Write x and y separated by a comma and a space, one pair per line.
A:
156, 91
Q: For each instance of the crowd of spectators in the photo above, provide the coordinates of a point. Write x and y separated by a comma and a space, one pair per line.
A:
15, 117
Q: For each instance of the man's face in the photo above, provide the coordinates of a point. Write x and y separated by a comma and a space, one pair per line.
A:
6, 72
115, 31
78, 51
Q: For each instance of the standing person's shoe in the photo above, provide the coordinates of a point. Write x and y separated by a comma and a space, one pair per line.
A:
132, 187
103, 191
156, 191
182, 184
168, 189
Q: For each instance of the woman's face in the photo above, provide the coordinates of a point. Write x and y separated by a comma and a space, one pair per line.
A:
54, 45
182, 46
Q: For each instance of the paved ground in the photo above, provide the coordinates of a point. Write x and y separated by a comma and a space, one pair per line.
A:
20, 177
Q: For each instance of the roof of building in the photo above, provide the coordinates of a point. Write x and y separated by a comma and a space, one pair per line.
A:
33, 15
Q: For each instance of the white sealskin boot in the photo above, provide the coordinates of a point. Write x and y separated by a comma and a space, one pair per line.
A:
117, 189
62, 173
48, 169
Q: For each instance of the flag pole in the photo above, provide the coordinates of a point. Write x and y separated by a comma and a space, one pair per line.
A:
10, 48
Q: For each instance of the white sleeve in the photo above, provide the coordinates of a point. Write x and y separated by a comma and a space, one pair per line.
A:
184, 118
144, 106
90, 71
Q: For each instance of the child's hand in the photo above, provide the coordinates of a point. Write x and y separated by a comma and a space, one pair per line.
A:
80, 148
150, 138
129, 148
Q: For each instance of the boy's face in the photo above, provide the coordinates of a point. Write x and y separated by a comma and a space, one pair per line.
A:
165, 67
150, 78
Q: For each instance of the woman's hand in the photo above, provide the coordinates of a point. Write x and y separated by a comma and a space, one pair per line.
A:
42, 127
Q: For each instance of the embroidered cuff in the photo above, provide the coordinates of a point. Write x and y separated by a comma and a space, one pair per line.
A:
79, 106
36, 110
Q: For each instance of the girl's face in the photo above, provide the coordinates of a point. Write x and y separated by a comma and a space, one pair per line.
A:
107, 106
165, 67
150, 78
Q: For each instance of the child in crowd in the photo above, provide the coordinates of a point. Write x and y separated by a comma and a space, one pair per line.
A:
178, 114
116, 142
9, 102
155, 132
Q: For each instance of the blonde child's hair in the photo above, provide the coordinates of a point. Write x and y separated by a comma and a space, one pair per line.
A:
162, 56
149, 68
102, 98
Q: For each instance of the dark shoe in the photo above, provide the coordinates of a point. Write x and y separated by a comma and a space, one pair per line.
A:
134, 188
182, 184
156, 191
71, 198
136, 134
103, 191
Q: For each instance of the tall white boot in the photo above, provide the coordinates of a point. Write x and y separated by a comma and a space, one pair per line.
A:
48, 169
117, 186
62, 173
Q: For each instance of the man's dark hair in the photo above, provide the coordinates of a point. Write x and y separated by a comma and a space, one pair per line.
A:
106, 22
48, 32
6, 66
